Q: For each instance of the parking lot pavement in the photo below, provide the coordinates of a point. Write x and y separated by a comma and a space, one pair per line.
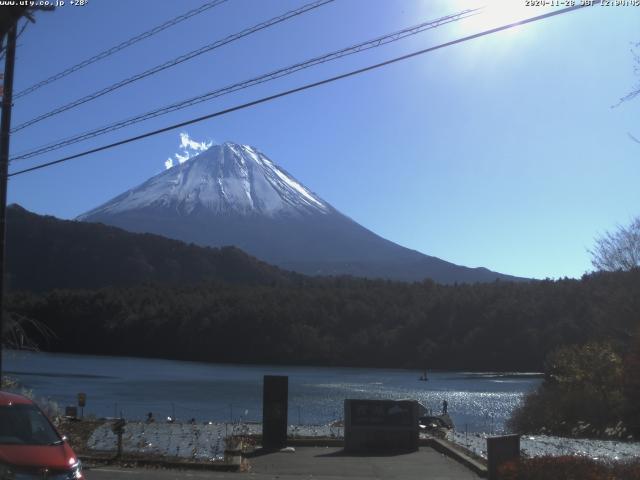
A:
111, 473
315, 462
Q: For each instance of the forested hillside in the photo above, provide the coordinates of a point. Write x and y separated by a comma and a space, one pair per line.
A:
342, 321
44, 253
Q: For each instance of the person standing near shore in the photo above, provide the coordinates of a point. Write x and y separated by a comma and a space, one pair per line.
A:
444, 407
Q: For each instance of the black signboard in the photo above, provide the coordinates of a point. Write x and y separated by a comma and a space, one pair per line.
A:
275, 402
500, 450
380, 425
365, 413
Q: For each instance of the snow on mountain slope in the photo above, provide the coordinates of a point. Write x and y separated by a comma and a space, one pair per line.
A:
226, 178
233, 194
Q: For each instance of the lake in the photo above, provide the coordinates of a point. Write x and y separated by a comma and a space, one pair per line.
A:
478, 402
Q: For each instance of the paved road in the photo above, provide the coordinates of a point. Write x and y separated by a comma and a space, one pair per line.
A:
317, 463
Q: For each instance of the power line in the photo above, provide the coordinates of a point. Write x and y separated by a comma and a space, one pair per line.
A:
303, 87
121, 46
376, 42
175, 61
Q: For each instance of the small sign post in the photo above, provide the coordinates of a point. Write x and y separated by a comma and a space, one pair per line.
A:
71, 412
82, 401
118, 429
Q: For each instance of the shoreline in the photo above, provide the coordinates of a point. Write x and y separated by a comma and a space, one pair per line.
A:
419, 370
207, 441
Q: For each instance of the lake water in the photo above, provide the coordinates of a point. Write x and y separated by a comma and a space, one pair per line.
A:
478, 402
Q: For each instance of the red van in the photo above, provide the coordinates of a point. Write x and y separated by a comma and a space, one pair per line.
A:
30, 446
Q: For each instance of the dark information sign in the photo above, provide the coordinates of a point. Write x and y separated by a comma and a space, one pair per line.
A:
275, 402
366, 413
381, 425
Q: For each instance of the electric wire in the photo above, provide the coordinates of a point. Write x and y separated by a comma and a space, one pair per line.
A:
176, 61
376, 42
120, 46
305, 87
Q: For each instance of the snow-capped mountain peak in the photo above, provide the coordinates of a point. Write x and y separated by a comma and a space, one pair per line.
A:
233, 194
225, 179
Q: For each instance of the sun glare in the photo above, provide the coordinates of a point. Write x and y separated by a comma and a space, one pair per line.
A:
495, 13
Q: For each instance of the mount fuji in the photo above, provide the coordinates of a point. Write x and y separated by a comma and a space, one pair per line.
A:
233, 194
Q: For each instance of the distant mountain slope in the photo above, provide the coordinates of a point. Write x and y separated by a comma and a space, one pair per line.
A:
44, 252
234, 195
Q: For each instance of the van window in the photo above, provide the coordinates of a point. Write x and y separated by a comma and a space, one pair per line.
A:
25, 425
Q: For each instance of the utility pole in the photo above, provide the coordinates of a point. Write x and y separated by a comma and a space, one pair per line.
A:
11, 15
5, 126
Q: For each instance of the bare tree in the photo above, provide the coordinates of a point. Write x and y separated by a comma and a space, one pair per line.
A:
635, 91
618, 250
19, 330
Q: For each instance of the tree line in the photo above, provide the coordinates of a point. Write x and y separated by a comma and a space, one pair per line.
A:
340, 321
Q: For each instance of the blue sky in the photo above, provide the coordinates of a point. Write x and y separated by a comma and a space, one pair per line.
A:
501, 152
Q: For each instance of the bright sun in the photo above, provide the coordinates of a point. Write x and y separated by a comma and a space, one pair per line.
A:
494, 13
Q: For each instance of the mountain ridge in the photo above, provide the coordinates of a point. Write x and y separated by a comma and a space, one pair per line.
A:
235, 195
45, 253
226, 175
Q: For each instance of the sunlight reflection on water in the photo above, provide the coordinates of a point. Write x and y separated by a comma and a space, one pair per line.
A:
477, 402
